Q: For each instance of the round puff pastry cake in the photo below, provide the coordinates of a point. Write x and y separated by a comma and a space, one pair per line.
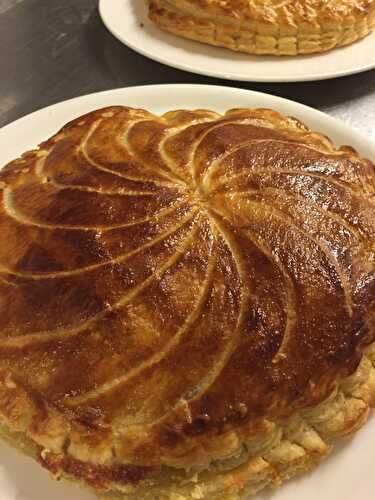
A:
278, 27
187, 301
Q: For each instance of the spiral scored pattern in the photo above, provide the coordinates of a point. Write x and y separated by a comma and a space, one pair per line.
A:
164, 276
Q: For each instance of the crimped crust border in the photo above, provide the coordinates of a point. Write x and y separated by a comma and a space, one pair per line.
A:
292, 447
286, 449
262, 37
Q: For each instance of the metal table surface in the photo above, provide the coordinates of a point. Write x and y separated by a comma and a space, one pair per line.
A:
52, 50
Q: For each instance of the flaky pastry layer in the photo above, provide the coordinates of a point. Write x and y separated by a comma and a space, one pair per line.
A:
267, 27
285, 449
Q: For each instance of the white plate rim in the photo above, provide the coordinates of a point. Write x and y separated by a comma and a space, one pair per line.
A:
119, 32
16, 485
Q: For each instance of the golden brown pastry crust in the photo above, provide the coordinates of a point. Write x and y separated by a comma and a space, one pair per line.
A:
186, 292
277, 27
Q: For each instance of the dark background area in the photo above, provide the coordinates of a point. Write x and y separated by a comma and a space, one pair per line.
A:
52, 50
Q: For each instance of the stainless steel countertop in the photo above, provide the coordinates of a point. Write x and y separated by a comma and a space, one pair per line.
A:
52, 50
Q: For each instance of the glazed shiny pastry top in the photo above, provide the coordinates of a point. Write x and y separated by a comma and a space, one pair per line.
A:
165, 279
286, 12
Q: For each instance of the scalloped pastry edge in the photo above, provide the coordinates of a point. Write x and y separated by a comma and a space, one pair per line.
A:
257, 37
288, 448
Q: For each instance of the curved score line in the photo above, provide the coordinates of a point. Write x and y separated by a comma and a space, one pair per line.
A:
66, 333
108, 192
6, 282
294, 196
80, 187
207, 382
291, 302
177, 130
172, 178
158, 357
98, 166
204, 384
119, 259
24, 220
284, 217
214, 165
324, 178
195, 145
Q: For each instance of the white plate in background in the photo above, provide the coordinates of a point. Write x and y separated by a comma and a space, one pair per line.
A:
349, 472
127, 20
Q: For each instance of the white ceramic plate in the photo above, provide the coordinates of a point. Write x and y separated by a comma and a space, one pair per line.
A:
348, 473
127, 20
